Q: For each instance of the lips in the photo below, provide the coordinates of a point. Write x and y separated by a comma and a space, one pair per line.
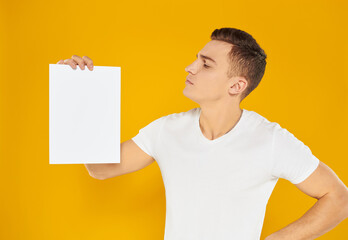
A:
189, 81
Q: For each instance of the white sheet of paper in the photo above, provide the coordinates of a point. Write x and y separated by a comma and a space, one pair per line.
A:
84, 114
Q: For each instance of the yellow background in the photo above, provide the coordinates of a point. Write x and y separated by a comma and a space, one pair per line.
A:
304, 89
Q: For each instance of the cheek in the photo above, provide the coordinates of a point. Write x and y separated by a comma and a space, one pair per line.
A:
211, 87
209, 78
213, 81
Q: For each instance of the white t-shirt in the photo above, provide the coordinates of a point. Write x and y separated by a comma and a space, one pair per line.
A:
219, 189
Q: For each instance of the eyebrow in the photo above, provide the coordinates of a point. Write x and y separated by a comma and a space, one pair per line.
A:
206, 57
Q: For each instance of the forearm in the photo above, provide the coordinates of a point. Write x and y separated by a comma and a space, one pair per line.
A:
325, 214
100, 170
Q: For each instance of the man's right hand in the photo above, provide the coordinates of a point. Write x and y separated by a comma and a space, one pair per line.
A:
74, 60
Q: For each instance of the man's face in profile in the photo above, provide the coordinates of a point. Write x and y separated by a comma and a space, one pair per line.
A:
209, 76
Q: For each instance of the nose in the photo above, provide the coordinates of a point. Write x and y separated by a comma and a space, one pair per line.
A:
190, 68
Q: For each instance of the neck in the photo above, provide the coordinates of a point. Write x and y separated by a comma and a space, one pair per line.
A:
217, 121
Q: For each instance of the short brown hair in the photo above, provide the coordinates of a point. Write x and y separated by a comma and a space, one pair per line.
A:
247, 58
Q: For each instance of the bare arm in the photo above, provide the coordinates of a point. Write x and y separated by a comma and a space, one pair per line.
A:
132, 159
330, 209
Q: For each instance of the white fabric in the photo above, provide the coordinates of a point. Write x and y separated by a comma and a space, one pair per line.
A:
219, 189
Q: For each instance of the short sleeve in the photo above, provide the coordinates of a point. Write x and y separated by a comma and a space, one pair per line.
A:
292, 159
147, 137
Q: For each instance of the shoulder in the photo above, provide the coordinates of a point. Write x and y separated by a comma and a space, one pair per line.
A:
180, 120
182, 116
260, 124
277, 132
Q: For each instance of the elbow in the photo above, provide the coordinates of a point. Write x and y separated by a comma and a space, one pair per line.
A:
100, 178
97, 177
344, 201
340, 201
346, 207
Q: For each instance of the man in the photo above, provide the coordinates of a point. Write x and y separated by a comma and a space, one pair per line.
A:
220, 163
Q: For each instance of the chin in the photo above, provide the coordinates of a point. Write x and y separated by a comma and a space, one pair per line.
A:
188, 95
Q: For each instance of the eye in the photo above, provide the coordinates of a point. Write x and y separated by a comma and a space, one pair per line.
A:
206, 66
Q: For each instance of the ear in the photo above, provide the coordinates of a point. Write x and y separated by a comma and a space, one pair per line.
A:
237, 85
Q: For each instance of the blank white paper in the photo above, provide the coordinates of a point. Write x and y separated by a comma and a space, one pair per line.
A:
84, 114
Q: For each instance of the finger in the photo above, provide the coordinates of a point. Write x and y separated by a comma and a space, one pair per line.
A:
60, 62
89, 62
79, 61
70, 62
